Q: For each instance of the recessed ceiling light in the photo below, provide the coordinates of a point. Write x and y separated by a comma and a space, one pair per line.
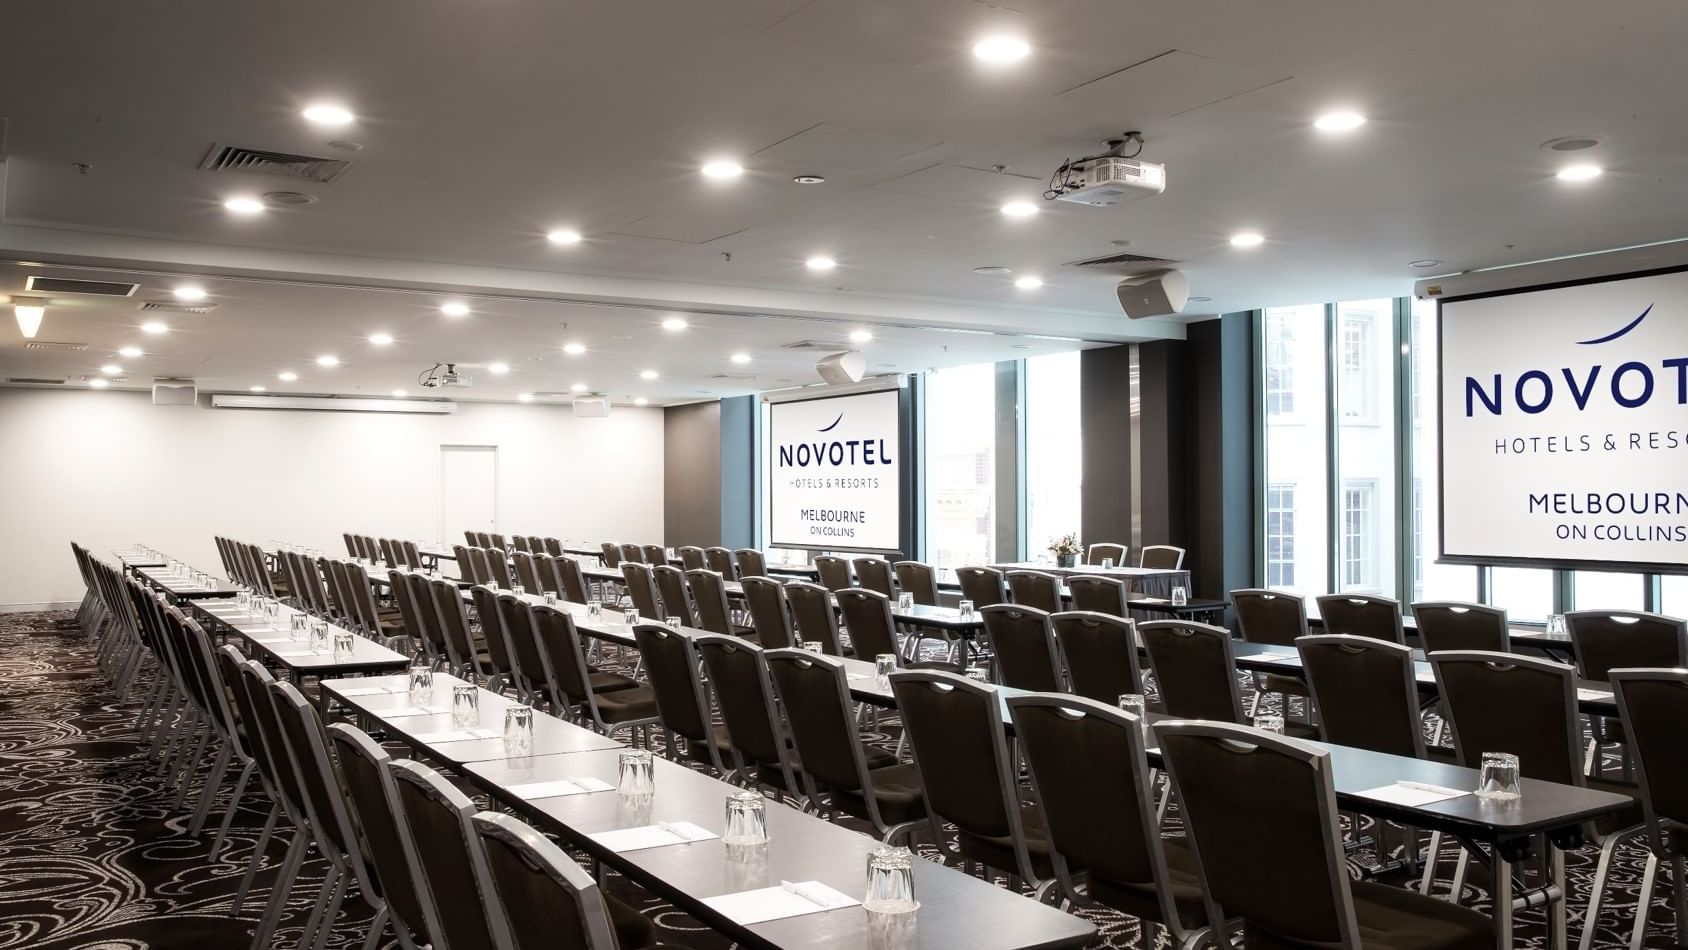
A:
98, 383
328, 113
674, 324
399, 394
380, 339
860, 336
498, 369
1583, 172
640, 401
722, 169
992, 270
563, 236
1001, 49
154, 327
130, 352
256, 389
647, 374
1028, 282
578, 388
1427, 262
1570, 143
243, 205
1019, 209
574, 349
1339, 121
287, 376
111, 369
741, 357
1247, 239
808, 180
189, 292
454, 308
328, 360
524, 397
820, 262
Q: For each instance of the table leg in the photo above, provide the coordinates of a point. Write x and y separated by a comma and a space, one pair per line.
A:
1555, 907
1501, 910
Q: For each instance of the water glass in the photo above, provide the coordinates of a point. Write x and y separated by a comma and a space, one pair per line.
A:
518, 730
550, 598
747, 818
1107, 564
1135, 704
319, 636
297, 625
637, 772
343, 645
890, 881
519, 590
1499, 780
978, 674
272, 611
1180, 597
1556, 625
1269, 722
883, 664
966, 609
630, 616
814, 646
594, 609
905, 601
421, 681
465, 706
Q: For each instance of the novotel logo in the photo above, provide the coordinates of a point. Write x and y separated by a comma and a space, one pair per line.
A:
1630, 384
834, 451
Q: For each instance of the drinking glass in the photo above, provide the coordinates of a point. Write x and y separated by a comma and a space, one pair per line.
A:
297, 626
272, 611
550, 598
1135, 704
630, 616
319, 636
905, 601
465, 706
519, 590
1499, 780
342, 645
1107, 564
1556, 625
747, 818
883, 664
966, 609
979, 674
1180, 597
890, 881
1269, 722
518, 730
814, 646
637, 772
421, 681
594, 609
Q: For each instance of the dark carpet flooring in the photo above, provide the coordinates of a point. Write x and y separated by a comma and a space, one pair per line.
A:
94, 857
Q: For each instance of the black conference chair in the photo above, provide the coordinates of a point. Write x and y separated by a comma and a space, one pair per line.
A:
867, 618
833, 572
1035, 589
571, 580
1277, 619
755, 731
544, 899
814, 616
373, 801
769, 612
1161, 557
1098, 594
720, 560
1196, 673
655, 554
1023, 643
1362, 615
682, 699
1105, 551
918, 580
750, 563
1446, 625
610, 553
641, 589
714, 613
602, 700
1099, 653
874, 573
434, 822
1365, 692
984, 586
676, 597
1654, 704
691, 558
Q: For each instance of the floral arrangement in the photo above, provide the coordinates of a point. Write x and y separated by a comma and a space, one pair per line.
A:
1065, 546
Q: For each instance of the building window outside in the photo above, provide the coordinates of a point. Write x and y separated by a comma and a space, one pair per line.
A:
1359, 535
1280, 364
960, 421
1280, 536
1295, 357
1054, 450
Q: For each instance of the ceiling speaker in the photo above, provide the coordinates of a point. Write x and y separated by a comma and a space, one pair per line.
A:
591, 407
845, 367
1160, 294
174, 394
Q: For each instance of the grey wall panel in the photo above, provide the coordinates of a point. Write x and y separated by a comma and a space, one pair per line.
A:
692, 474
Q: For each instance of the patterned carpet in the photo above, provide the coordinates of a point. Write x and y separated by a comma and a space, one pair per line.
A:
94, 857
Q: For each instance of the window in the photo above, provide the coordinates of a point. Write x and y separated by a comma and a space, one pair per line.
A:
1054, 469
1430, 581
1674, 600
1280, 536
1359, 536
960, 428
1525, 592
1606, 590
1365, 445
1280, 363
1359, 380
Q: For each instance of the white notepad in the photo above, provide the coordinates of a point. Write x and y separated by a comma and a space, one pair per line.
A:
652, 836
400, 712
775, 903
295, 653
268, 640
558, 788
1278, 657
442, 736
1411, 796
1594, 694
371, 691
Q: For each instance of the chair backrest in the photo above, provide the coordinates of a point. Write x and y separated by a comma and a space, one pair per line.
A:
411, 556
324, 802
1024, 644
1654, 704
454, 623
515, 615
492, 627
1502, 702
1194, 669
867, 616
641, 589
709, 597
259, 709
570, 579
655, 554
389, 552
1098, 594
352, 549
746, 697
545, 900
632, 552
498, 568
545, 573
1604, 640
610, 553
816, 697
720, 560
404, 595
562, 658
1362, 615
554, 547
1270, 616
750, 563
1365, 693
1247, 793
1106, 550
527, 572
1444, 626
769, 612
691, 558
472, 538
1100, 654
1161, 557
984, 586
434, 818
813, 615
682, 700
519, 544
672, 591
833, 572
478, 569
373, 801
874, 573
231, 667
919, 580
496, 541
1035, 589
415, 591
954, 727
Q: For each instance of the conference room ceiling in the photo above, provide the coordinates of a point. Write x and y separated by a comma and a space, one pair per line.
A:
480, 129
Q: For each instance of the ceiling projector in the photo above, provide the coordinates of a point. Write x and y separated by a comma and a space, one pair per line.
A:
1109, 180
443, 375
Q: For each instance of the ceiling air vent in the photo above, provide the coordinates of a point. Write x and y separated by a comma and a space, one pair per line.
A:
1125, 265
60, 347
71, 285
828, 345
735, 377
35, 381
165, 306
237, 158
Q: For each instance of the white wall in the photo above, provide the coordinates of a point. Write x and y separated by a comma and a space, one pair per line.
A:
109, 469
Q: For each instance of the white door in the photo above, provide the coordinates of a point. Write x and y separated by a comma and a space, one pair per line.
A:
468, 490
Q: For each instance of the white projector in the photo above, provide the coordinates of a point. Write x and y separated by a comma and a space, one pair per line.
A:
1110, 180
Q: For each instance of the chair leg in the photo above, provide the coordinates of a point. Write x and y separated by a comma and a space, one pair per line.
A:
1432, 858
277, 905
377, 927
213, 783
234, 806
256, 861
330, 884
1458, 890
342, 883
1679, 882
1592, 916
1644, 901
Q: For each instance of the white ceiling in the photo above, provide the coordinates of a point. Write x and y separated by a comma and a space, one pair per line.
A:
482, 128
